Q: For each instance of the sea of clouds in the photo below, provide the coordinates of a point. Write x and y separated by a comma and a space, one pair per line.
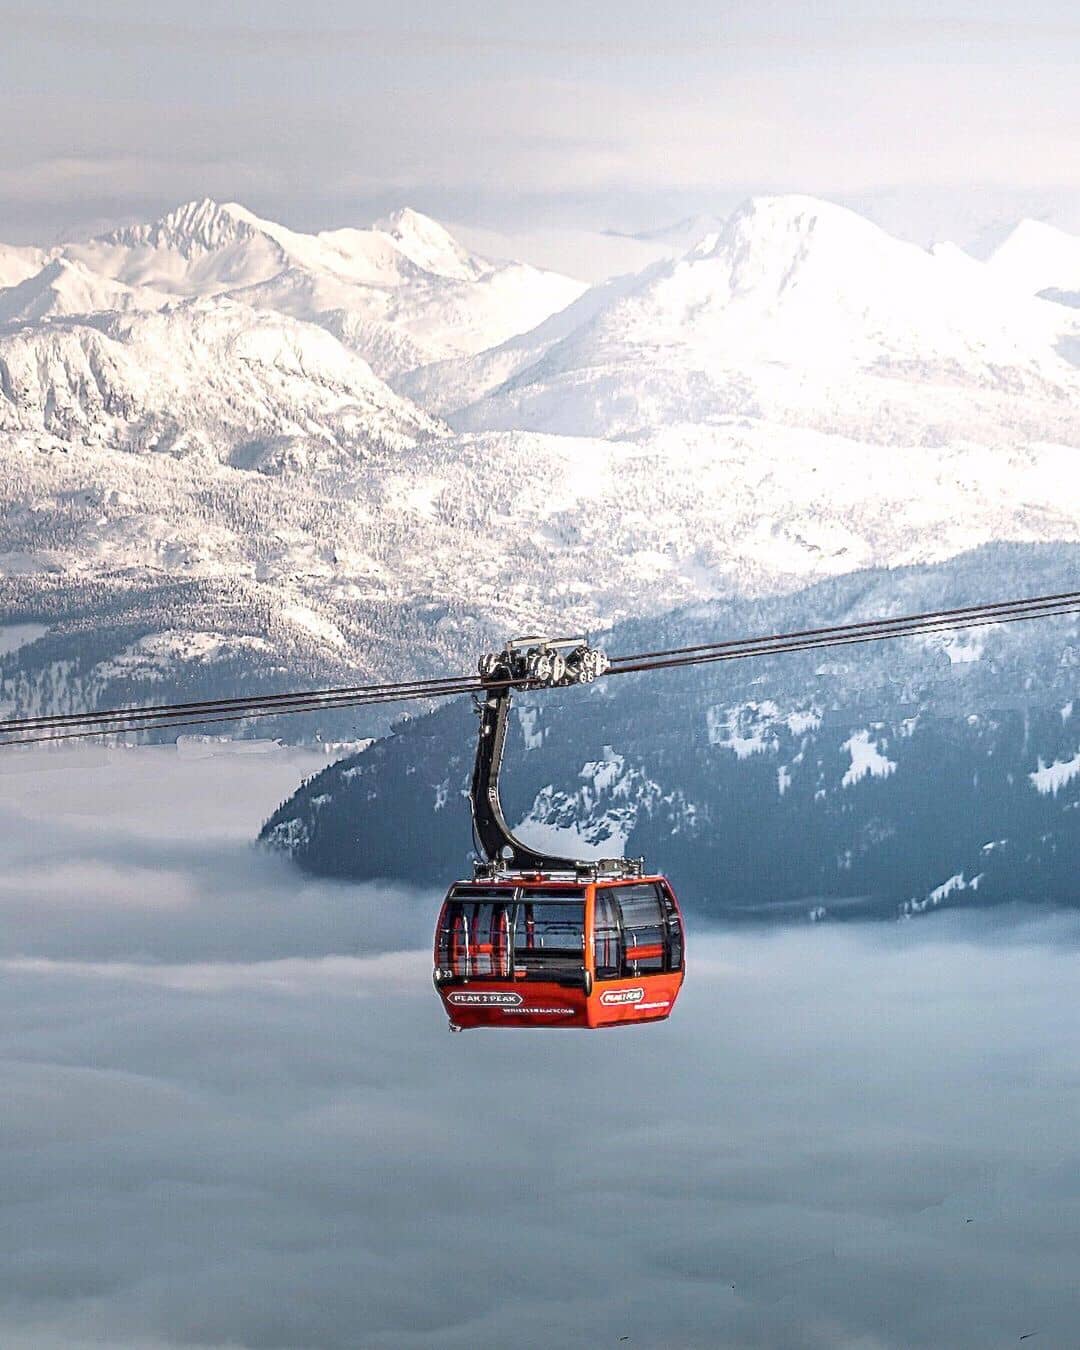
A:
231, 1114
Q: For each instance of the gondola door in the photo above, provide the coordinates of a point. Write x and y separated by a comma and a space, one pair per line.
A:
638, 952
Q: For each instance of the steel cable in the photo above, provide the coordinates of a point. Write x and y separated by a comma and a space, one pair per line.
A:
76, 726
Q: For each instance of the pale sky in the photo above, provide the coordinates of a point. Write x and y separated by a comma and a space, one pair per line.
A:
618, 113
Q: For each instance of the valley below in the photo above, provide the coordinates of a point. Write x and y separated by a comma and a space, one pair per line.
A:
222, 1075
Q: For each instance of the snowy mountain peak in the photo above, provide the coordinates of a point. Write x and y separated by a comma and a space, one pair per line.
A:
793, 286
16, 264
194, 228
1031, 234
400, 294
429, 245
769, 241
814, 262
795, 211
1037, 256
66, 287
200, 248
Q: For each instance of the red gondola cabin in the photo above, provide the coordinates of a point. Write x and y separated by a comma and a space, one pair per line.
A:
524, 951
536, 940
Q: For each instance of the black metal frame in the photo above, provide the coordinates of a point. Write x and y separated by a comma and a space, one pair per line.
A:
498, 842
516, 667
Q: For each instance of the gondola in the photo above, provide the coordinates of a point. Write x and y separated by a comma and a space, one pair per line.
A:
536, 940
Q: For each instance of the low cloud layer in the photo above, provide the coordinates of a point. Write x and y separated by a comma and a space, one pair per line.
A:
120, 855
232, 1115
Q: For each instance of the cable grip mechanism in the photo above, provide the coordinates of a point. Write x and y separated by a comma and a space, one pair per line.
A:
526, 663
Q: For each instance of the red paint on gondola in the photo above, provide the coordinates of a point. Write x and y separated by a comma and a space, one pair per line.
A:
536, 951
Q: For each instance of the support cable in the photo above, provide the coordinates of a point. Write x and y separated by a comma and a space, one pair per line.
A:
113, 721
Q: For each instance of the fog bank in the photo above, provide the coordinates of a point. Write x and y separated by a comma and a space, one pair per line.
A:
232, 1115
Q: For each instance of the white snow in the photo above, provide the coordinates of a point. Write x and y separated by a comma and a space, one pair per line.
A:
953, 886
1037, 256
603, 774
801, 312
962, 647
158, 656
1049, 779
798, 397
313, 623
401, 289
744, 729
947, 888
531, 731
866, 759
289, 836
16, 264
205, 378
803, 721
64, 287
602, 837
594, 821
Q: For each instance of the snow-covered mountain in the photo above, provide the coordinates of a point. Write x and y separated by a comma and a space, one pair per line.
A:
1037, 257
450, 540
400, 293
886, 779
16, 264
193, 447
207, 378
63, 287
803, 313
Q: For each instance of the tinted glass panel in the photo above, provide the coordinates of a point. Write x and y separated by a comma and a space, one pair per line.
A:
607, 947
547, 927
497, 939
643, 957
640, 906
644, 929
674, 932
549, 937
474, 939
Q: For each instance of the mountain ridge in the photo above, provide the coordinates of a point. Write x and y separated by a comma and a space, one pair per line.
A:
793, 289
886, 779
229, 438
404, 273
1036, 256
